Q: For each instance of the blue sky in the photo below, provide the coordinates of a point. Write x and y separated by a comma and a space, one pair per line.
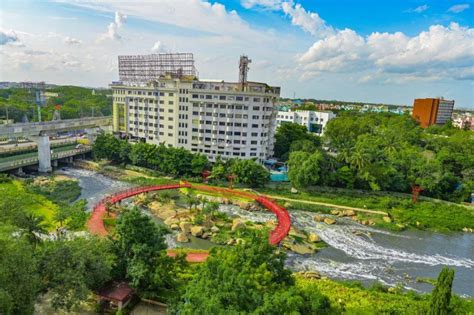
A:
374, 51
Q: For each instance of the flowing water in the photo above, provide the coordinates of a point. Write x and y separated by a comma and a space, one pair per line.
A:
355, 252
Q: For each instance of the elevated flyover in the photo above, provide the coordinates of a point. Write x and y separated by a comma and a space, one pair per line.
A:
51, 127
40, 133
30, 159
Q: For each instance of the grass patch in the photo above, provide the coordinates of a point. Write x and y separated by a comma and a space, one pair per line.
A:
425, 214
353, 298
58, 191
15, 198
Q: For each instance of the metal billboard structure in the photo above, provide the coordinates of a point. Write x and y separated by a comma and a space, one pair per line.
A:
138, 69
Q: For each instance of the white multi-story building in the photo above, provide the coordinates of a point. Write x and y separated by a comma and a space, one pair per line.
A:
215, 118
314, 121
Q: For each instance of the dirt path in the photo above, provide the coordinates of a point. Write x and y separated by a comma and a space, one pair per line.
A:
328, 205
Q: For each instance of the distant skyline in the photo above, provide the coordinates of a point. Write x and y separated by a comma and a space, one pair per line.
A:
368, 51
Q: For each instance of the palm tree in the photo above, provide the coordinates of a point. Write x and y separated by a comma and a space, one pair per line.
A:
32, 227
358, 159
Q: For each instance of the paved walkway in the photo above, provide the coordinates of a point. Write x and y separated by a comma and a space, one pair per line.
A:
330, 205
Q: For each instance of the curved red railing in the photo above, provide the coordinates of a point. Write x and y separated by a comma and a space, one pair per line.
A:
96, 223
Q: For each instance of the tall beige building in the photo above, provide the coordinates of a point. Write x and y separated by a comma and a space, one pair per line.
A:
233, 120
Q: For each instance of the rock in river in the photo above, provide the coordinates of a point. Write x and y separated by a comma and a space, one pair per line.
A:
329, 221
313, 238
197, 230
182, 238
185, 227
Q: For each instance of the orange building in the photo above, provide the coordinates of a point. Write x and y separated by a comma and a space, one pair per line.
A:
430, 111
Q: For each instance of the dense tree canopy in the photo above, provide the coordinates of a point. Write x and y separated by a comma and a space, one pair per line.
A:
249, 172
71, 269
288, 133
248, 279
170, 161
75, 102
383, 151
141, 252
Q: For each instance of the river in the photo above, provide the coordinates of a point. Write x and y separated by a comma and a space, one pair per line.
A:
369, 255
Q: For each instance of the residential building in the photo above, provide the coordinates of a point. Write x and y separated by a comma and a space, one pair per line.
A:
430, 111
215, 118
464, 121
314, 121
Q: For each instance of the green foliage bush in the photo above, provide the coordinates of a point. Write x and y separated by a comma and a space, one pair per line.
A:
383, 151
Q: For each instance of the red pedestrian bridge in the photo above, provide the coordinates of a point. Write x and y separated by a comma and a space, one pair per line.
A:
96, 223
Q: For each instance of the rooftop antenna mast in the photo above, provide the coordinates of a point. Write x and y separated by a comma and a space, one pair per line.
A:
243, 70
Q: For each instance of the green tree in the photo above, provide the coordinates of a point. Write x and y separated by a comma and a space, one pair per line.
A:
140, 247
70, 269
441, 296
304, 169
32, 227
249, 278
288, 133
19, 281
304, 145
249, 172
199, 163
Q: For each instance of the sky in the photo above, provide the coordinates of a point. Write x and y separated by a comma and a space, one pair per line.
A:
370, 51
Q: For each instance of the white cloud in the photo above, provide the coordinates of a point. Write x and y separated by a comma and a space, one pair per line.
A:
446, 52
7, 36
310, 22
196, 15
114, 27
265, 4
458, 8
340, 51
72, 41
71, 63
120, 19
158, 47
421, 8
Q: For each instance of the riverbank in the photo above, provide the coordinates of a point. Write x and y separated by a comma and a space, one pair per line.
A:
402, 213
393, 212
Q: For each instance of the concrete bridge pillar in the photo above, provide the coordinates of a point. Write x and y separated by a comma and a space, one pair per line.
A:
44, 154
91, 134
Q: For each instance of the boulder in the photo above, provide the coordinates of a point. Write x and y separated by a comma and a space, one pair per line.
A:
329, 221
318, 218
215, 229
197, 230
182, 238
237, 224
312, 275
313, 238
364, 222
294, 190
296, 233
185, 227
349, 213
387, 219
171, 220
335, 212
231, 242
205, 235
174, 226
301, 249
